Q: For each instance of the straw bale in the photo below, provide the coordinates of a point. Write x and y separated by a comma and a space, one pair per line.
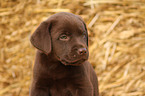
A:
116, 42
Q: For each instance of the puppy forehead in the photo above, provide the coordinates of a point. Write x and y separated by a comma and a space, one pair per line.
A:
68, 24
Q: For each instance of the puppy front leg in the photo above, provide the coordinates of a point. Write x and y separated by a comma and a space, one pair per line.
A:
84, 92
35, 91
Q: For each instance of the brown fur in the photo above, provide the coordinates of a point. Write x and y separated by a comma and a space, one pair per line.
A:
61, 67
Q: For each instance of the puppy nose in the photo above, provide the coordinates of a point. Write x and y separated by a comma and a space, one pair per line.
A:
82, 51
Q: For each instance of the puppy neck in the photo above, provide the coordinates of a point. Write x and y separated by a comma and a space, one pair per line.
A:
50, 58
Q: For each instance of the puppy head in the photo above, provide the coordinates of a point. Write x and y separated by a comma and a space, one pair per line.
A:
65, 35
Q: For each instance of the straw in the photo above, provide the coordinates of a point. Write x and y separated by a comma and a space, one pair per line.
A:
116, 42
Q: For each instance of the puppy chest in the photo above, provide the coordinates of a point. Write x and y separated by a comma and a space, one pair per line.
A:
71, 89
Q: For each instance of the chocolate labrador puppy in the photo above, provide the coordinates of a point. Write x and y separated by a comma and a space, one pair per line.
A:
61, 67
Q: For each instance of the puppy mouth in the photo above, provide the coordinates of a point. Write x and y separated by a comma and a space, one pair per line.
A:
74, 63
66, 61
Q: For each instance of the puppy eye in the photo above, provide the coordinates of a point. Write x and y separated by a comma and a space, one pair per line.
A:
64, 37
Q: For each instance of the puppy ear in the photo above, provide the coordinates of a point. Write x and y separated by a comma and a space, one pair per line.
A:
86, 31
81, 19
41, 38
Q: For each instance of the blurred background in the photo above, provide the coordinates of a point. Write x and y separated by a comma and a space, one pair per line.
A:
116, 42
